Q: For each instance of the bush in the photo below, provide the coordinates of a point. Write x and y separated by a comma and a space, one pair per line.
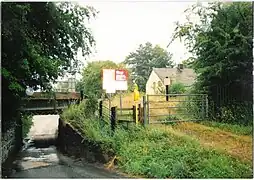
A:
177, 88
27, 122
157, 153
240, 113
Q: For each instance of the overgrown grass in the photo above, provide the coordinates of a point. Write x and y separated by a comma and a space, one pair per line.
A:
234, 128
27, 122
156, 153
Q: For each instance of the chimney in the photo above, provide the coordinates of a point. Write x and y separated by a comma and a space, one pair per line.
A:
180, 66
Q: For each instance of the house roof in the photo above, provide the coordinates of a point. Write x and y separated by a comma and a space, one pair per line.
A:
185, 75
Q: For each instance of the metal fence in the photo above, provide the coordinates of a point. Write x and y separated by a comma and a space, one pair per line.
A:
176, 108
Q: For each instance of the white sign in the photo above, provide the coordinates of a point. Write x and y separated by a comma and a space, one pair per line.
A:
167, 81
108, 78
121, 77
114, 80
121, 85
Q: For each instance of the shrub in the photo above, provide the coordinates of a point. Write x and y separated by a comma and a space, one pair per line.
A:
177, 88
27, 122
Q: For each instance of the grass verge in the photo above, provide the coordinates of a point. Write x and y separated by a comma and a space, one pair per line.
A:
157, 153
234, 128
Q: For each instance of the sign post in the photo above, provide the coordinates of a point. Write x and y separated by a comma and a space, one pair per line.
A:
167, 83
113, 80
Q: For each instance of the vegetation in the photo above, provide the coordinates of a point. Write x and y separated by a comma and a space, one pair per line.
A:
235, 128
177, 88
40, 42
222, 47
27, 123
144, 59
158, 153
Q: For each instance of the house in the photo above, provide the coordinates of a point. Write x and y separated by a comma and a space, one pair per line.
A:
155, 82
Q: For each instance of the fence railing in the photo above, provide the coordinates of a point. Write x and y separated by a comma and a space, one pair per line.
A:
158, 109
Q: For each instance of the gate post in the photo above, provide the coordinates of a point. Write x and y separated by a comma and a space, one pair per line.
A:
147, 102
134, 113
113, 119
140, 114
100, 110
144, 110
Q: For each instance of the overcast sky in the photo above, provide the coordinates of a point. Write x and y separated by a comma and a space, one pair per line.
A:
121, 26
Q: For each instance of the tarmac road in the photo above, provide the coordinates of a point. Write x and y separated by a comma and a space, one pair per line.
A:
40, 158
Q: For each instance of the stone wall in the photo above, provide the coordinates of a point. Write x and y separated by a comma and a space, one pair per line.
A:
71, 142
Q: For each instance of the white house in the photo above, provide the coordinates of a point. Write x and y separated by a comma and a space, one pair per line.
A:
155, 82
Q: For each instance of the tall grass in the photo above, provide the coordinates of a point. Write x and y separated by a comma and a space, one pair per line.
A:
156, 153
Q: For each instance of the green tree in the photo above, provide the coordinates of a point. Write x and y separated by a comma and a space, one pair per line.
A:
222, 44
188, 63
144, 59
40, 41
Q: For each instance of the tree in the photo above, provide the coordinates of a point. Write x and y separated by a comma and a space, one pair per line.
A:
39, 42
144, 59
222, 44
91, 82
188, 63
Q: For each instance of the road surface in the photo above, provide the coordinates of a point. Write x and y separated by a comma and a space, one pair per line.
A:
40, 158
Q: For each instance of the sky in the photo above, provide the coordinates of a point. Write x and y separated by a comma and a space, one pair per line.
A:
120, 27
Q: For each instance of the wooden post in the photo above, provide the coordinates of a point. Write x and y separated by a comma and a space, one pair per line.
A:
100, 110
134, 113
81, 95
144, 110
140, 114
113, 119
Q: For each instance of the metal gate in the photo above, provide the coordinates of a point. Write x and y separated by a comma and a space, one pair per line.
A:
176, 108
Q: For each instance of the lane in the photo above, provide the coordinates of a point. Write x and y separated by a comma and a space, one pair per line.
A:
40, 158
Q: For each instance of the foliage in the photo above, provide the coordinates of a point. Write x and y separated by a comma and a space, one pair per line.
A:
222, 45
40, 42
236, 129
156, 153
188, 63
27, 123
91, 82
144, 59
177, 88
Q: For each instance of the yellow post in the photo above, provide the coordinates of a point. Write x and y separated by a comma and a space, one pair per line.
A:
136, 99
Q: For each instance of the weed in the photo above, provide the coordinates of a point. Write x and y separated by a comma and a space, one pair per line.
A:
156, 153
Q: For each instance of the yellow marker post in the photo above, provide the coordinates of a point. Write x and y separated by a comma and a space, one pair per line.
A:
136, 99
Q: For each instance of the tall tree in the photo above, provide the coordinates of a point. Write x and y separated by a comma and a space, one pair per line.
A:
40, 41
144, 59
222, 44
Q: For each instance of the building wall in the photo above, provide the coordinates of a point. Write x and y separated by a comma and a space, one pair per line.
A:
153, 78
